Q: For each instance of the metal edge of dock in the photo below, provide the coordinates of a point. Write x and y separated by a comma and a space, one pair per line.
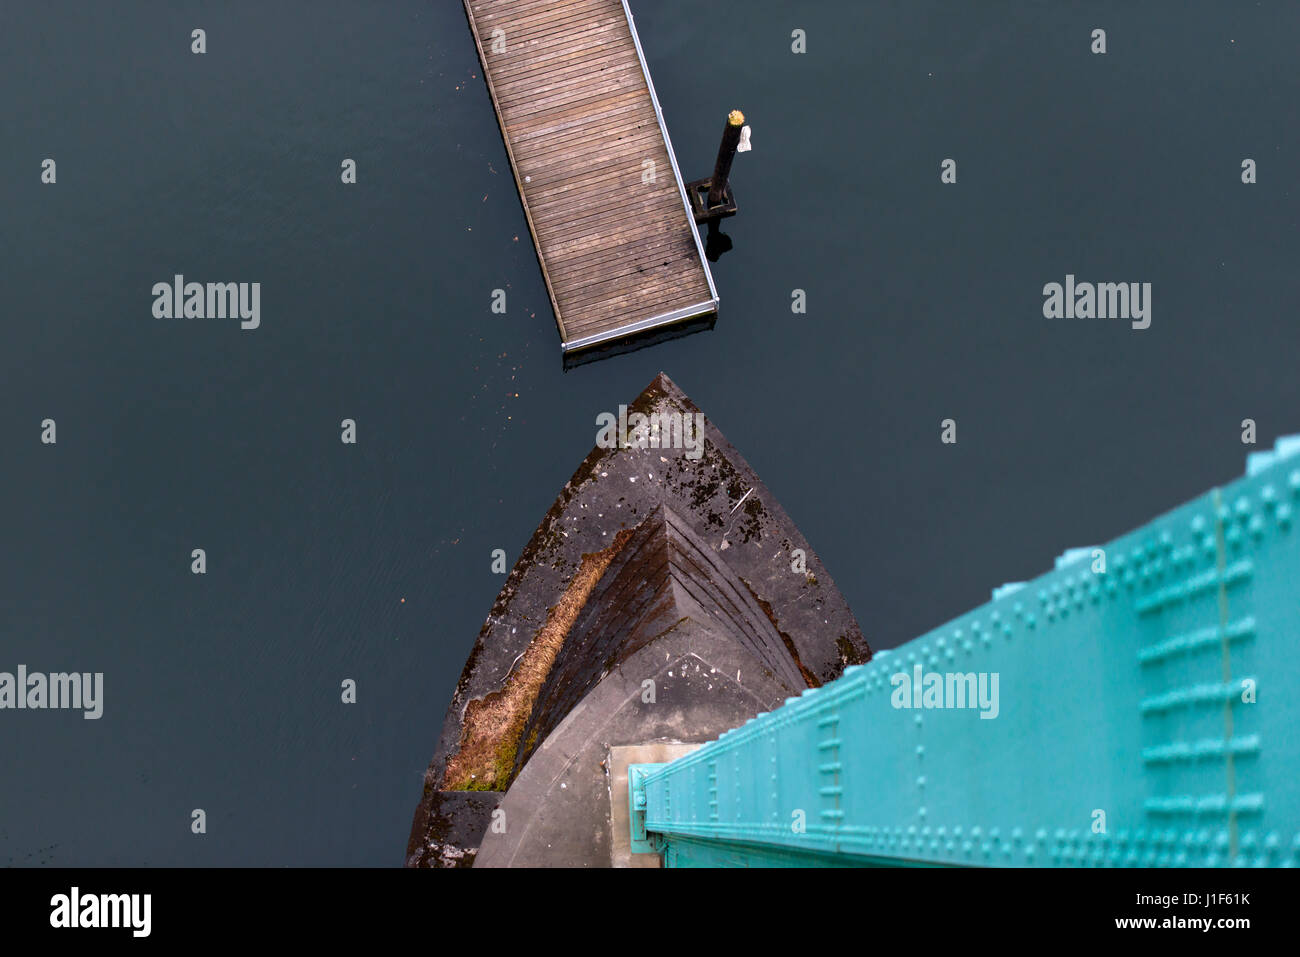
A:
687, 312
641, 325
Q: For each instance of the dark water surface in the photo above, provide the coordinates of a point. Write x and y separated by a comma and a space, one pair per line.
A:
924, 302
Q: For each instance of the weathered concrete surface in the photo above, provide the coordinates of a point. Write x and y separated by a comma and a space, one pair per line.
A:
730, 547
557, 810
663, 575
460, 819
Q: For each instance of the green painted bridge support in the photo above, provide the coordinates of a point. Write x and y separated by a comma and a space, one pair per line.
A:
1139, 705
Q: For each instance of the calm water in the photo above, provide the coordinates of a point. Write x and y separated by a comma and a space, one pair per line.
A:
222, 691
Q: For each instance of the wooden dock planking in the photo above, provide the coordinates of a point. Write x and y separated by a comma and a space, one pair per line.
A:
579, 119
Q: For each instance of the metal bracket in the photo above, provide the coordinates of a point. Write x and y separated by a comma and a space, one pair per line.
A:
697, 192
642, 842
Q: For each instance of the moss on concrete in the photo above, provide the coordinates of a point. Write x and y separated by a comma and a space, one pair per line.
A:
494, 724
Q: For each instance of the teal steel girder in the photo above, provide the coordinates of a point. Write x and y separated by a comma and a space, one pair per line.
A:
1136, 706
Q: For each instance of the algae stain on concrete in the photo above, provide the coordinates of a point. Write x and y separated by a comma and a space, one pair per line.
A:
810, 679
493, 725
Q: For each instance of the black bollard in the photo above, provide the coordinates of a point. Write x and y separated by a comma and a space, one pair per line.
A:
711, 199
726, 153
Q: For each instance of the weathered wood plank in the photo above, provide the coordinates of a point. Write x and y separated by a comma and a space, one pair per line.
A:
579, 122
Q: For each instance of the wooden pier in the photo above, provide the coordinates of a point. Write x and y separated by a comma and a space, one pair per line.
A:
600, 186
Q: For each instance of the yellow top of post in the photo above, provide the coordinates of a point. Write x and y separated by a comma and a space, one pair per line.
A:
736, 118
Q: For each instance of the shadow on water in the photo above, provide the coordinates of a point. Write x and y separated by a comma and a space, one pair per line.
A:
651, 337
716, 243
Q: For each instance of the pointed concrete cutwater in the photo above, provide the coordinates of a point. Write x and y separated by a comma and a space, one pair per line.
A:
657, 603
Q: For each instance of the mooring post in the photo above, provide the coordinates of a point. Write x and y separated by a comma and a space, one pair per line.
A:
711, 199
726, 153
